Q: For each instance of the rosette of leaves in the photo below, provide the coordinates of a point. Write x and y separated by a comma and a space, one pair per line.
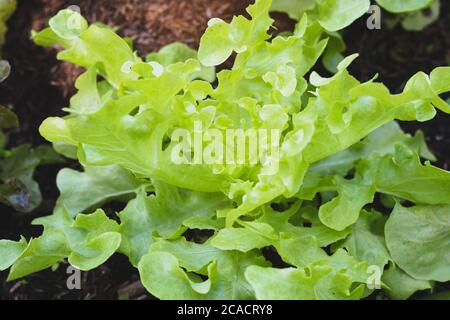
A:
340, 149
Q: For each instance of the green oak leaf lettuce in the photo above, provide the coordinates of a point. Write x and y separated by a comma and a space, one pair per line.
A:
147, 218
80, 191
207, 230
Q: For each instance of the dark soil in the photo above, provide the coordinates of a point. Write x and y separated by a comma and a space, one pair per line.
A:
40, 86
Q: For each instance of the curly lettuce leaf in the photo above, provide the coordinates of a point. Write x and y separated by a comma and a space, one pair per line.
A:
222, 39
322, 281
295, 9
343, 210
179, 52
80, 191
381, 141
86, 242
391, 175
257, 235
336, 15
274, 228
162, 215
418, 240
332, 15
186, 261
85, 45
401, 285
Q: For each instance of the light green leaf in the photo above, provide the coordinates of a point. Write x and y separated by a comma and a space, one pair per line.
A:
227, 280
417, 21
87, 100
89, 240
221, 39
381, 141
94, 187
256, 235
344, 210
300, 252
335, 15
41, 253
10, 252
318, 283
366, 241
440, 79
175, 284
179, 52
419, 239
86, 47
329, 278
101, 249
162, 215
68, 24
284, 284
398, 6
294, 8
427, 184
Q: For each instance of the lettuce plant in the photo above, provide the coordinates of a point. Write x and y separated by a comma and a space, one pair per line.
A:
341, 154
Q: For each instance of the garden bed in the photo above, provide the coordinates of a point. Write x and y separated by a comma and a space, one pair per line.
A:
42, 86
